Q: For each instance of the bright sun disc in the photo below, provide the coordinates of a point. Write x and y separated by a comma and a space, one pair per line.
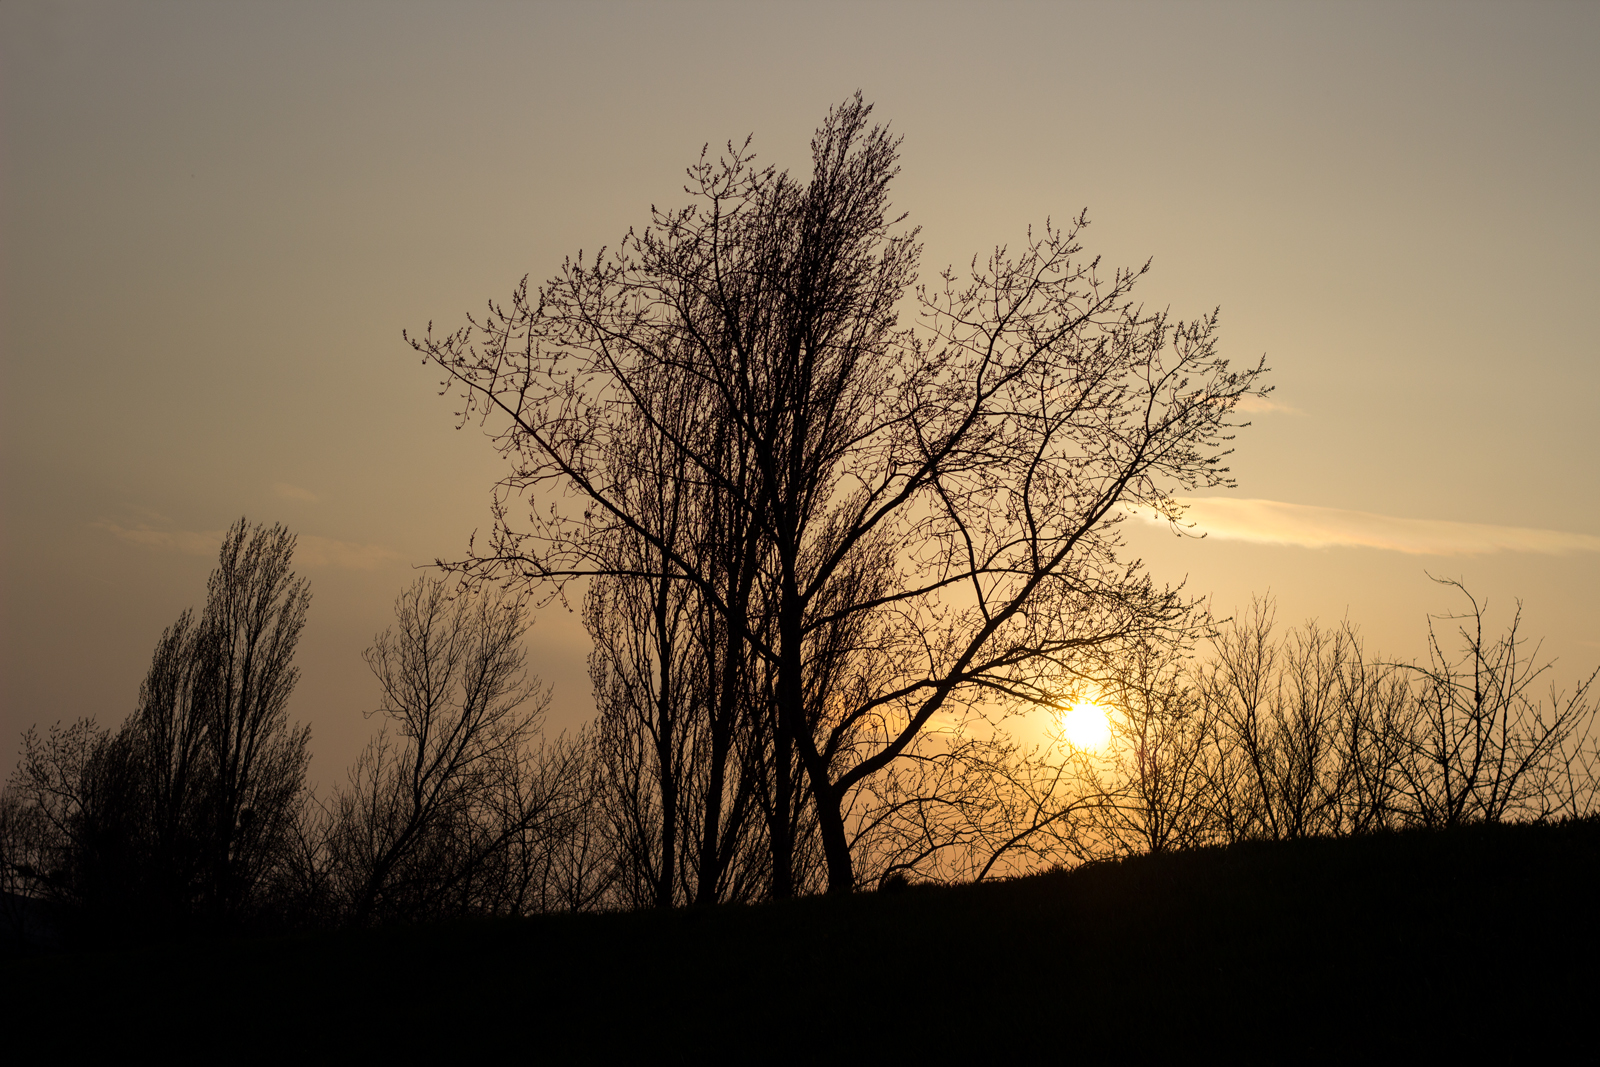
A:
1085, 726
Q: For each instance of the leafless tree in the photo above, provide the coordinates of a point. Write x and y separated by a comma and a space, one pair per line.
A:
969, 803
994, 447
575, 854
1374, 700
672, 685
186, 810
445, 808
1157, 780
23, 885
65, 801
243, 652
1282, 712
1479, 745
1308, 735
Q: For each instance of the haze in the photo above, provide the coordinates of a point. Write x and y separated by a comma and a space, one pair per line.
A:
217, 219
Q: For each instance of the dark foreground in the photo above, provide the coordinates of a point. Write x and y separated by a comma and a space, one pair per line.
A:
1486, 938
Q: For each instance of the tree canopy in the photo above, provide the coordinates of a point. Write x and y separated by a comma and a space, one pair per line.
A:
886, 520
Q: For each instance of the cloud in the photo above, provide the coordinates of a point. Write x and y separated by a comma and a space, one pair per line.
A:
294, 492
1276, 523
316, 551
189, 542
1259, 404
310, 549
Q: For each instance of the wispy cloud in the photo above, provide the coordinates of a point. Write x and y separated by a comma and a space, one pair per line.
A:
294, 492
1260, 404
189, 542
310, 549
1277, 523
316, 551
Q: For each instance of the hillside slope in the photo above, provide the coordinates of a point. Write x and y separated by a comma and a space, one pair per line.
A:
1478, 937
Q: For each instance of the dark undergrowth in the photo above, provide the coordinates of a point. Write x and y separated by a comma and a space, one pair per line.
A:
1479, 938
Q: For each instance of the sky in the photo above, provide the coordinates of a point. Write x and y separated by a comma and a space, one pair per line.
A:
216, 219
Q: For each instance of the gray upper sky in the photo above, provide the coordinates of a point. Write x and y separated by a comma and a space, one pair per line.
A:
215, 219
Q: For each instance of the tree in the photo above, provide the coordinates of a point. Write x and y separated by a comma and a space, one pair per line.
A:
243, 675
443, 811
962, 807
1158, 793
1307, 735
931, 511
185, 811
671, 683
68, 836
1479, 745
1282, 711
673, 741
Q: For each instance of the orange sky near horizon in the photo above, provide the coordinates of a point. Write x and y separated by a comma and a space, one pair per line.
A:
215, 220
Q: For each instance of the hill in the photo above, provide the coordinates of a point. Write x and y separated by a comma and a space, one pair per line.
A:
1478, 937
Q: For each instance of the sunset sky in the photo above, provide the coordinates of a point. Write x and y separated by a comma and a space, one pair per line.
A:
215, 220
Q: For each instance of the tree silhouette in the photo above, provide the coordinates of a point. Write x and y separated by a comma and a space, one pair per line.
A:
937, 505
244, 651
447, 809
1305, 734
1478, 743
186, 811
672, 685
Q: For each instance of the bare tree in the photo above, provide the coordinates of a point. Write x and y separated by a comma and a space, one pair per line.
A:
443, 807
243, 652
1375, 699
188, 807
1157, 794
992, 449
66, 841
1308, 735
1298, 745
24, 886
969, 803
672, 686
574, 855
169, 731
673, 739
1478, 745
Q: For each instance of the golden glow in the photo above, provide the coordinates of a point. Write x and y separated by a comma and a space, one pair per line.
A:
1085, 727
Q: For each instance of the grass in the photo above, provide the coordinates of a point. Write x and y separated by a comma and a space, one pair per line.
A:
1403, 944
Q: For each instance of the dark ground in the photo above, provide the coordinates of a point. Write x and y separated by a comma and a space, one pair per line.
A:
1475, 943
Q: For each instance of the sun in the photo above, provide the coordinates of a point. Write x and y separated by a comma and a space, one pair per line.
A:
1085, 727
